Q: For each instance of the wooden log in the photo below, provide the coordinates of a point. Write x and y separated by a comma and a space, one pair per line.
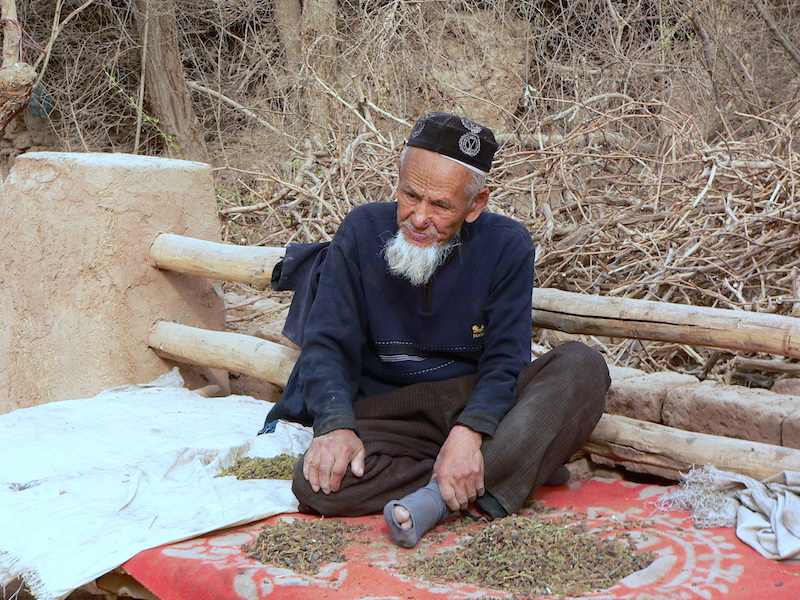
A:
666, 322
227, 262
638, 445
760, 364
666, 451
223, 350
552, 309
16, 90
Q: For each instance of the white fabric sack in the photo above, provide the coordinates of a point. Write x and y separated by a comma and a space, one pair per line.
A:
766, 513
769, 516
87, 484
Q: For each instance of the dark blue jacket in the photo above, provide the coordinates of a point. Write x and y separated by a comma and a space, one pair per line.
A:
369, 332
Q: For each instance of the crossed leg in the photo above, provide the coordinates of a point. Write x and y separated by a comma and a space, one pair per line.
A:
561, 397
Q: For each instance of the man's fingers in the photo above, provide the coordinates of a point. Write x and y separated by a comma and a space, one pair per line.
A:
458, 494
339, 468
357, 464
480, 486
450, 496
453, 504
464, 497
328, 457
336, 474
317, 470
459, 467
331, 472
311, 470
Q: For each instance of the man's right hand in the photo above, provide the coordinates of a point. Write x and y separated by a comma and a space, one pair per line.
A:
327, 458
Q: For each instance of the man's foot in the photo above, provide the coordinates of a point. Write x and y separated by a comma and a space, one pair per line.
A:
402, 517
413, 516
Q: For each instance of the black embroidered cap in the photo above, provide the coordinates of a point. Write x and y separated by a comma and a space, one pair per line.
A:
462, 140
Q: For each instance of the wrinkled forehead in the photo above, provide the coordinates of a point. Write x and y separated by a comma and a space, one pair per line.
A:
420, 163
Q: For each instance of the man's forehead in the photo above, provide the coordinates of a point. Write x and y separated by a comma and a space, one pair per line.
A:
421, 163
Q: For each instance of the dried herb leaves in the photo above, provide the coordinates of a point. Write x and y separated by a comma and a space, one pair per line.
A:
277, 467
532, 556
523, 555
302, 545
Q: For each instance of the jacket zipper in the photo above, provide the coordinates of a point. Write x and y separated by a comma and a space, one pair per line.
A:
426, 297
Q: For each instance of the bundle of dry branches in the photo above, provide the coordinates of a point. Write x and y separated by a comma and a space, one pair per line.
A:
648, 146
630, 202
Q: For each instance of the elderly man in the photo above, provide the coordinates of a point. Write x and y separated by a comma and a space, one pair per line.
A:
415, 332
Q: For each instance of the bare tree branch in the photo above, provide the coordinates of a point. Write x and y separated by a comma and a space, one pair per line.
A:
11, 33
793, 52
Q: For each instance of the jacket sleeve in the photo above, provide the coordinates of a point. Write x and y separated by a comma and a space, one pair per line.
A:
507, 341
330, 361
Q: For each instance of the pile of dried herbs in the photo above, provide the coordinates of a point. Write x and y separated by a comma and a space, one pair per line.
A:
302, 545
524, 555
277, 467
532, 556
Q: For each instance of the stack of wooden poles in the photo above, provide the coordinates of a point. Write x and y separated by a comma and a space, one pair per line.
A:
616, 438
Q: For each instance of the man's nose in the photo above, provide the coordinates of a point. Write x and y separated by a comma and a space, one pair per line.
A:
421, 218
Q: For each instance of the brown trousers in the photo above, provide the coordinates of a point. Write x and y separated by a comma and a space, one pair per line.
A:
560, 398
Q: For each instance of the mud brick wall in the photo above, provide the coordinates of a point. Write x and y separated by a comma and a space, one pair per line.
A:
78, 293
683, 402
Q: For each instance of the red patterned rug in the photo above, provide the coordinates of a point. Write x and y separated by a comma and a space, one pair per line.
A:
707, 564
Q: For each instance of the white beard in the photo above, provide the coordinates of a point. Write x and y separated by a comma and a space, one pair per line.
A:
417, 264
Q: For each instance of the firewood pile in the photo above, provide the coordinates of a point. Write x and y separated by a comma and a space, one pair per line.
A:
627, 202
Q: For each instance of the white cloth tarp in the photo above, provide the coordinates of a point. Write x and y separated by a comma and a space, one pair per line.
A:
87, 484
766, 513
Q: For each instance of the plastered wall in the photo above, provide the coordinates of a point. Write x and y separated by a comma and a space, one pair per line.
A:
78, 293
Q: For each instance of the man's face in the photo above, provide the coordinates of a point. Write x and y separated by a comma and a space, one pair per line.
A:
432, 202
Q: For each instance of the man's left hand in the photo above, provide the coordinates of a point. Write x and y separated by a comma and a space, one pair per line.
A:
459, 468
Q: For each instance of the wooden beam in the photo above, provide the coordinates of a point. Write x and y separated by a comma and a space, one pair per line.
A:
552, 309
223, 350
227, 262
637, 445
662, 321
760, 364
665, 451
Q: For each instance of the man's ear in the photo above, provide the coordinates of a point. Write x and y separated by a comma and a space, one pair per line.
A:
478, 204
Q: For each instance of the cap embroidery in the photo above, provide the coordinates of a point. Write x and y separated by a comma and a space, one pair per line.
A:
471, 126
469, 144
418, 128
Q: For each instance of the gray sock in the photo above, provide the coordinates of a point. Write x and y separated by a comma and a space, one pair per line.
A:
426, 507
